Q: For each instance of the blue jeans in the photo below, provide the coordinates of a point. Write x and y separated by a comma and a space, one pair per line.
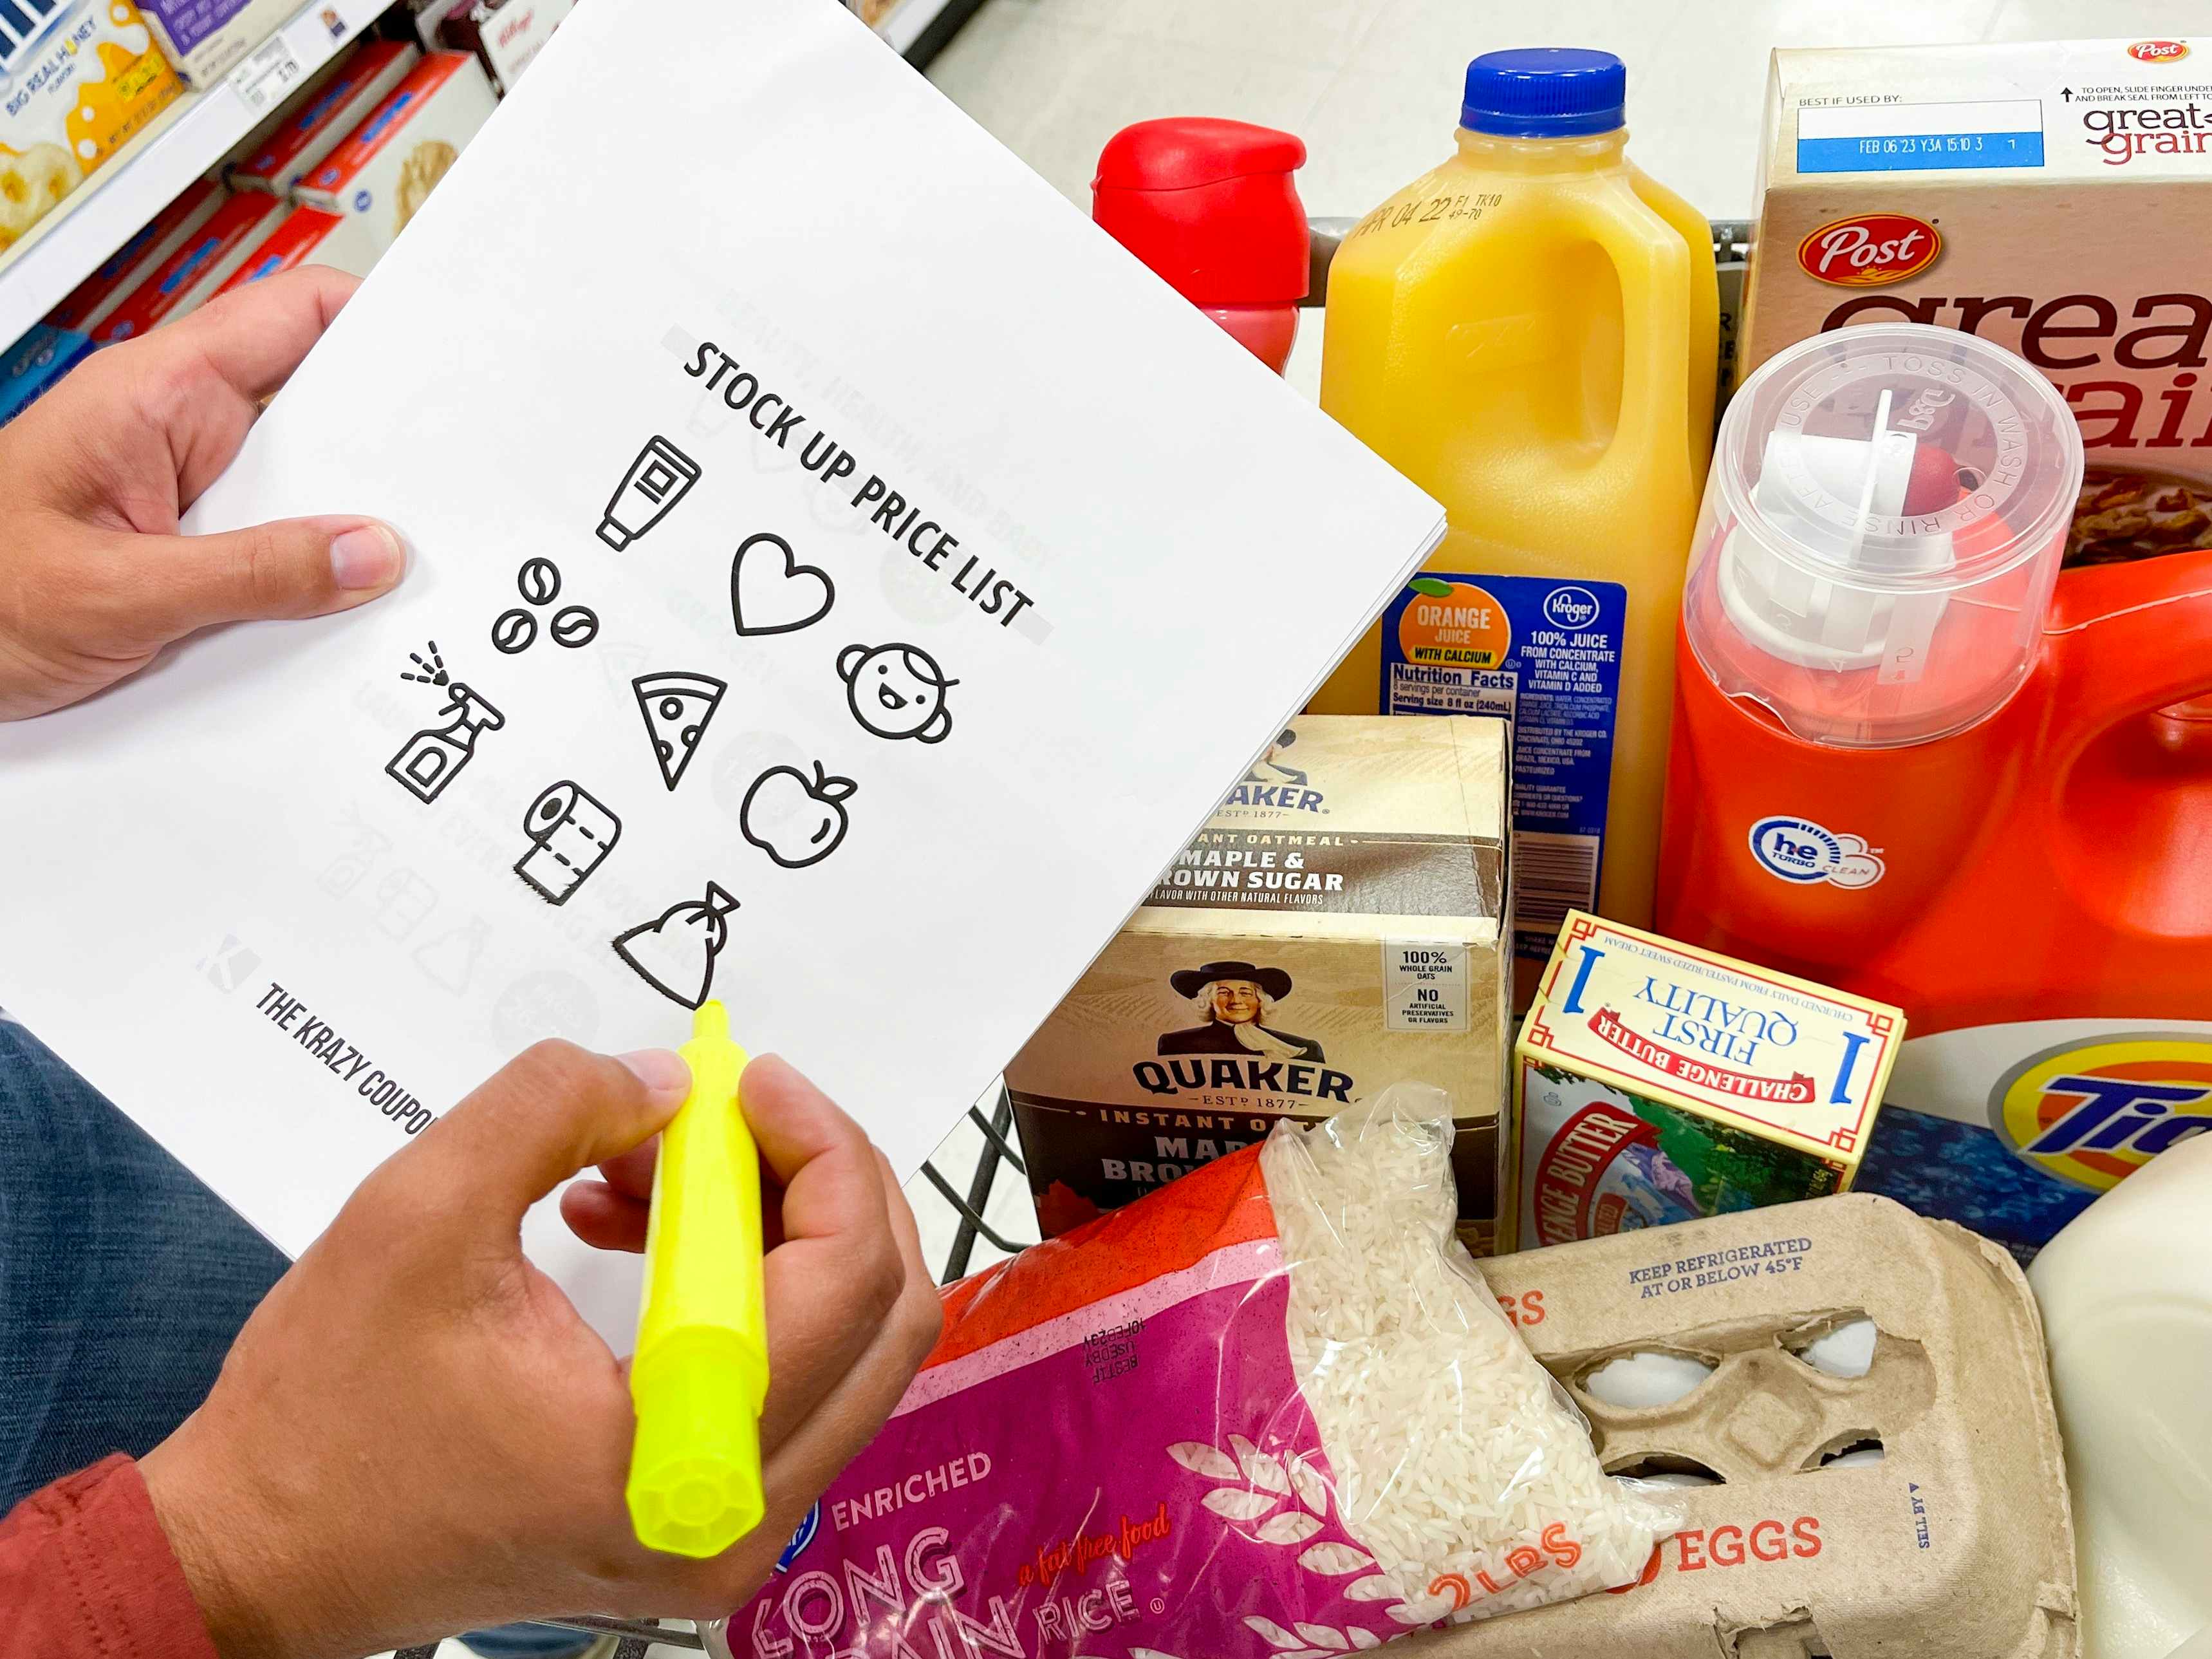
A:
123, 1280
123, 1283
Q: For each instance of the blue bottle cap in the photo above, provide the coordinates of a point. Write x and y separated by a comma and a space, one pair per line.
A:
1544, 92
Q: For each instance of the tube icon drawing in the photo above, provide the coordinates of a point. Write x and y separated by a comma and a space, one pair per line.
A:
656, 481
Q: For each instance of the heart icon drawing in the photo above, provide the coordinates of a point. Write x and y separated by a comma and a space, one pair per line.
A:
772, 593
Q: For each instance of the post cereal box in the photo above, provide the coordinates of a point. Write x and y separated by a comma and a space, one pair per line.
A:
2050, 196
1335, 928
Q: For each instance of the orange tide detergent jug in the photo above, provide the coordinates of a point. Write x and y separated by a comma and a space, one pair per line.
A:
1916, 759
1529, 334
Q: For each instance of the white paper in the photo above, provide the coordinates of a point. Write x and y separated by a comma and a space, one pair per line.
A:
1192, 544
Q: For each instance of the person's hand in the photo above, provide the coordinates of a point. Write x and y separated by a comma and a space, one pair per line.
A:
94, 579
416, 1433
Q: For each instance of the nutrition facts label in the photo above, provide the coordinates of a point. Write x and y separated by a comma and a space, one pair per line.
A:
1545, 656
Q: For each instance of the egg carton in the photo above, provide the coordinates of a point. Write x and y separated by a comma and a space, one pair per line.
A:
1854, 1405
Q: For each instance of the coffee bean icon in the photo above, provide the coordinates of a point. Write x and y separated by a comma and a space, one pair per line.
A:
577, 625
539, 579
515, 631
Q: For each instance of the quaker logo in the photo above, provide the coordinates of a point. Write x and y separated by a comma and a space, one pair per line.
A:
1870, 250
800, 1539
1237, 1044
2159, 51
1801, 851
1274, 781
2091, 1115
1571, 608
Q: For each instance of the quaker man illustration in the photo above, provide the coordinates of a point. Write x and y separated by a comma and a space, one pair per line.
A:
1236, 1003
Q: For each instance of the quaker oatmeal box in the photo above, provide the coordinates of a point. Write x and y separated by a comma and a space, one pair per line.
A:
2052, 196
1332, 930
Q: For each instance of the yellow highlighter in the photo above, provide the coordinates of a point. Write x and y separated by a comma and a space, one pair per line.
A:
701, 1370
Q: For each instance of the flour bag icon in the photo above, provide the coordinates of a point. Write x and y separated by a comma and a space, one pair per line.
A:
675, 954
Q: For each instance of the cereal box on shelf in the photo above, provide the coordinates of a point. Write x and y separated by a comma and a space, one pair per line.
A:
316, 122
77, 82
378, 178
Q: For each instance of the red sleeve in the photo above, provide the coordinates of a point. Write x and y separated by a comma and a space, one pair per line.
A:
86, 1572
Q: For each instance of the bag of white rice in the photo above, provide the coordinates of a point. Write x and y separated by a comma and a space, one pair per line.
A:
1270, 1409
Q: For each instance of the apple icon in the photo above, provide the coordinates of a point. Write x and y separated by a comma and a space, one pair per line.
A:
795, 820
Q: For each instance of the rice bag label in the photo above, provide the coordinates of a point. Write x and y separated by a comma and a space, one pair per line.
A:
1545, 656
1008, 1508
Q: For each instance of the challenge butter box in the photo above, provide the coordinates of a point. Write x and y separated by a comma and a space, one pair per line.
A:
1655, 1082
1332, 930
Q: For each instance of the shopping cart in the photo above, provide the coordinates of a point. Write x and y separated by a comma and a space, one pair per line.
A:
963, 1176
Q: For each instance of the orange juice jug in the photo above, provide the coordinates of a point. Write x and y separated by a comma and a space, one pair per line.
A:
1529, 332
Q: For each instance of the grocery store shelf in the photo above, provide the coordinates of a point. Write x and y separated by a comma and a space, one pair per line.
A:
150, 171
200, 129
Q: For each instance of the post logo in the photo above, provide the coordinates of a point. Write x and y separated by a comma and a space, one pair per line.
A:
2159, 51
1801, 852
2091, 1115
1869, 250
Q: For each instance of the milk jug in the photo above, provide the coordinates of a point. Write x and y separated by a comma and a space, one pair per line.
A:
2126, 1293
1529, 333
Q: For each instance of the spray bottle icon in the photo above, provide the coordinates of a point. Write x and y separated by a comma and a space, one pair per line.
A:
433, 757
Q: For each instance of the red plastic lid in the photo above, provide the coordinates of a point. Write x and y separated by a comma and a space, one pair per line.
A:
1210, 206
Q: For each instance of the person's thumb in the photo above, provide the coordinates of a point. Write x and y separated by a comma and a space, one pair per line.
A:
553, 1110
293, 568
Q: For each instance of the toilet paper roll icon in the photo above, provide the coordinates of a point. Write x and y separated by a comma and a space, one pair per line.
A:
571, 833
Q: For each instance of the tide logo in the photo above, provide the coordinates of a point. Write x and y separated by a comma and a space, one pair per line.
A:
2091, 1115
1869, 250
2159, 51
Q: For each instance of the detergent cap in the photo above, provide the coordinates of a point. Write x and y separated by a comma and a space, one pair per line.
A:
1545, 92
1886, 516
1209, 204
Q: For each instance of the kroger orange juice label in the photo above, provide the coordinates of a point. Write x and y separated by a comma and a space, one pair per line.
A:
1545, 656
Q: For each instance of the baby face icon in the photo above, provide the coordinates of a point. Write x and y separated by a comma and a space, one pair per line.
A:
896, 690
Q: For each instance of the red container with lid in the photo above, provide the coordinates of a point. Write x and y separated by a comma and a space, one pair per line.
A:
1210, 206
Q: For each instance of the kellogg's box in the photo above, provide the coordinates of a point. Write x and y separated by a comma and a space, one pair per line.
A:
1335, 928
2052, 196
1655, 1082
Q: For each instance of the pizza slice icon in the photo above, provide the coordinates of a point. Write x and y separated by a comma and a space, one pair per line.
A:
676, 707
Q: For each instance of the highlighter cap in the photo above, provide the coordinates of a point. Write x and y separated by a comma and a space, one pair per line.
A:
695, 1481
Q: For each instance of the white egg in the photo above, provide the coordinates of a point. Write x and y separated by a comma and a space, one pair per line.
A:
1646, 1378
1847, 1351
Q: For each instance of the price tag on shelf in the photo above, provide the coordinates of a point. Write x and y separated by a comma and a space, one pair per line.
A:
270, 71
